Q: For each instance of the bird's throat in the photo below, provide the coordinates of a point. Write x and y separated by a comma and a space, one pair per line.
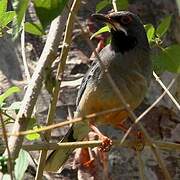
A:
122, 43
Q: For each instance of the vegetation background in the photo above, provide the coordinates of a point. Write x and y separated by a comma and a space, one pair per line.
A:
24, 27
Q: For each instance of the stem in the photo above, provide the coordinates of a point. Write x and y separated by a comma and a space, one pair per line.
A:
10, 165
56, 89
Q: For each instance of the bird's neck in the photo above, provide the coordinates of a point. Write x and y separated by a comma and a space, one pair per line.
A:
124, 43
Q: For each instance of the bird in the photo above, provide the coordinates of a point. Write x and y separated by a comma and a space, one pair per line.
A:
127, 60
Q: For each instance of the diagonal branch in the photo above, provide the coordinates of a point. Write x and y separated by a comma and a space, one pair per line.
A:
59, 75
166, 90
47, 57
10, 165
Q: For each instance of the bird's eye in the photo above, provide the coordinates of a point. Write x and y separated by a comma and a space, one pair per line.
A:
126, 20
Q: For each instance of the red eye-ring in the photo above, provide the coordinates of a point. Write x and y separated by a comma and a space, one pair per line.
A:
126, 19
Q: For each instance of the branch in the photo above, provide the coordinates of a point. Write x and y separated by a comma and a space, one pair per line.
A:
166, 90
59, 75
10, 165
64, 123
79, 144
47, 57
148, 109
23, 51
141, 165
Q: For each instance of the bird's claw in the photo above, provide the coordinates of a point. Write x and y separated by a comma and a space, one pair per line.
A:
106, 144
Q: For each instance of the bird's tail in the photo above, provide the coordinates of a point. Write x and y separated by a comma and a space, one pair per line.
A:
57, 158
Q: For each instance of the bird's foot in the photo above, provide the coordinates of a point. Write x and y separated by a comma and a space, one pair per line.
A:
106, 144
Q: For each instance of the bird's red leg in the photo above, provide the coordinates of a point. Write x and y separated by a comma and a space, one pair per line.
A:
106, 142
137, 134
89, 163
86, 158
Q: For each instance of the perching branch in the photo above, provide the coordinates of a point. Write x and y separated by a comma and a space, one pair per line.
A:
79, 144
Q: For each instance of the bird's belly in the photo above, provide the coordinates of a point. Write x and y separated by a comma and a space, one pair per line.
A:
101, 97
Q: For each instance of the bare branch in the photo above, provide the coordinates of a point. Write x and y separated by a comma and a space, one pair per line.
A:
47, 57
56, 89
141, 165
167, 91
10, 165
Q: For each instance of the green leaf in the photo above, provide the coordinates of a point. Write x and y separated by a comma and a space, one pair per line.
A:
15, 105
100, 31
6, 177
122, 4
33, 136
34, 28
7, 18
8, 93
20, 8
47, 10
150, 30
21, 164
102, 4
168, 59
3, 7
163, 26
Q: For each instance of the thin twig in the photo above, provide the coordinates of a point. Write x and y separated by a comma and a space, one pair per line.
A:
7, 115
64, 123
167, 91
148, 109
23, 52
140, 165
10, 165
79, 144
114, 5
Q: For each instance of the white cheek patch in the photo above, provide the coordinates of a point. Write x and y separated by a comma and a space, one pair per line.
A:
117, 26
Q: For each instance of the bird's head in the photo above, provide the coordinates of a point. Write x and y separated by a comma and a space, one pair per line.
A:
127, 30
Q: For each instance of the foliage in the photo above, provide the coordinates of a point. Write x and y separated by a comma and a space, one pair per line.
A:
8, 93
5, 16
46, 11
3, 164
20, 8
34, 126
150, 30
21, 164
163, 26
34, 28
168, 59
121, 4
100, 31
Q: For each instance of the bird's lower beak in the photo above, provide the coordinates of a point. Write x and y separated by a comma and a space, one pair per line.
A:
110, 22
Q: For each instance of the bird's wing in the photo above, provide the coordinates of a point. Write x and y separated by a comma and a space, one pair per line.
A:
106, 55
94, 71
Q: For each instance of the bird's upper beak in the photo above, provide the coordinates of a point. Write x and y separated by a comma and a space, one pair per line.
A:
116, 26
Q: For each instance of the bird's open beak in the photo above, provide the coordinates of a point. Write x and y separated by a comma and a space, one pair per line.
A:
116, 26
